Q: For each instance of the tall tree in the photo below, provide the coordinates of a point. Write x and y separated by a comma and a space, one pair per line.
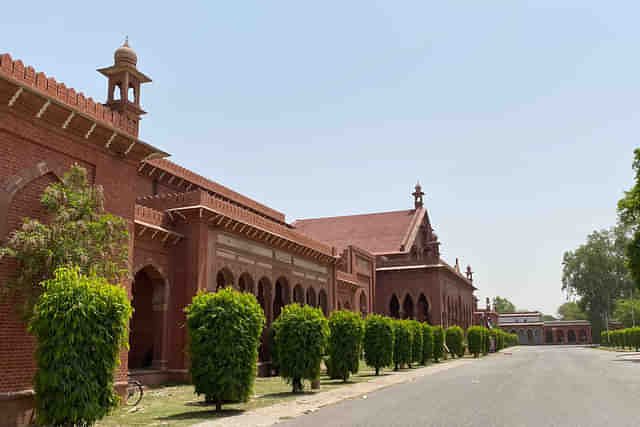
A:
503, 305
571, 311
596, 272
629, 216
79, 233
548, 318
627, 311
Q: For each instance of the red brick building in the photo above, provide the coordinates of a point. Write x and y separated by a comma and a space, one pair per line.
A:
190, 233
411, 279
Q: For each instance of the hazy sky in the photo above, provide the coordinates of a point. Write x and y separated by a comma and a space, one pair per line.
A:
518, 118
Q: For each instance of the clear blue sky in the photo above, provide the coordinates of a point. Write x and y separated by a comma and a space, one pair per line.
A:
519, 118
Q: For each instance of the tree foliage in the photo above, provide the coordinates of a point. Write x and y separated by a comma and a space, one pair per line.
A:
79, 233
416, 341
438, 343
301, 339
402, 343
503, 305
378, 341
427, 343
454, 337
570, 310
81, 324
474, 340
224, 335
596, 272
345, 342
629, 217
627, 312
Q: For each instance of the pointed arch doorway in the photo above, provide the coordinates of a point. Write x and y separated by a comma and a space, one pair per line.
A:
148, 325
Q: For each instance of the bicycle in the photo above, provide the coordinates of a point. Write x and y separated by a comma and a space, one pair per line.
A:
134, 392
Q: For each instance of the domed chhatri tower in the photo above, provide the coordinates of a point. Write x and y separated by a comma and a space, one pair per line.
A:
124, 84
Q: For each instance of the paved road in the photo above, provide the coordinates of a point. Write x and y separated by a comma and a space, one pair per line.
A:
534, 386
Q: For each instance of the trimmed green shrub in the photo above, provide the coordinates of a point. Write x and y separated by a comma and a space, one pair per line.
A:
331, 372
438, 343
486, 341
416, 341
474, 338
402, 343
453, 337
378, 341
271, 336
345, 342
301, 339
500, 337
224, 335
81, 325
427, 343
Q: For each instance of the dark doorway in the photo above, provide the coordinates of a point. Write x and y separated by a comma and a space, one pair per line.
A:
423, 309
407, 307
394, 307
323, 302
147, 323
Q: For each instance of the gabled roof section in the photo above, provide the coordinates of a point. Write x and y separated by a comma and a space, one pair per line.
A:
378, 233
217, 189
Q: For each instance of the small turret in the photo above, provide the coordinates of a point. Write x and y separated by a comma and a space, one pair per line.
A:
125, 77
418, 195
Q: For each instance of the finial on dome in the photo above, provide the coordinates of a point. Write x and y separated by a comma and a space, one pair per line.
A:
417, 195
124, 55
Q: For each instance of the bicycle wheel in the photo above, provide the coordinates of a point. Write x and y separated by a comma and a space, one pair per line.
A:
134, 393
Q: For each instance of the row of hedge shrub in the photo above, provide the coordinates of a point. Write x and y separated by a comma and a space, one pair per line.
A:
623, 338
479, 339
224, 336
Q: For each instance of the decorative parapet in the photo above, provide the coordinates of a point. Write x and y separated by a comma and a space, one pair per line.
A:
200, 199
77, 100
350, 278
206, 184
151, 216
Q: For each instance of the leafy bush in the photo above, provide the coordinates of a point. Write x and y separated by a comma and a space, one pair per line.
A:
474, 339
427, 343
416, 341
301, 339
500, 339
81, 325
402, 343
486, 341
378, 341
271, 337
224, 335
345, 342
453, 337
331, 372
438, 343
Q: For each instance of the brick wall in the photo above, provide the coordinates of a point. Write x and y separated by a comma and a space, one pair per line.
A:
27, 148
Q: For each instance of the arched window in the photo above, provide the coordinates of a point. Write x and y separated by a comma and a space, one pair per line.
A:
323, 302
311, 297
407, 307
224, 278
363, 304
394, 307
423, 309
298, 294
245, 283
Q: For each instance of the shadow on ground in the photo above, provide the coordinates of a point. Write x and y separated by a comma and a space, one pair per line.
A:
198, 415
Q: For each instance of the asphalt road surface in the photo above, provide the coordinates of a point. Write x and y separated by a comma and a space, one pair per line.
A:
532, 386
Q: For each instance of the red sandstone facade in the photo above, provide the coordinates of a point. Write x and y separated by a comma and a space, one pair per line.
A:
190, 233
